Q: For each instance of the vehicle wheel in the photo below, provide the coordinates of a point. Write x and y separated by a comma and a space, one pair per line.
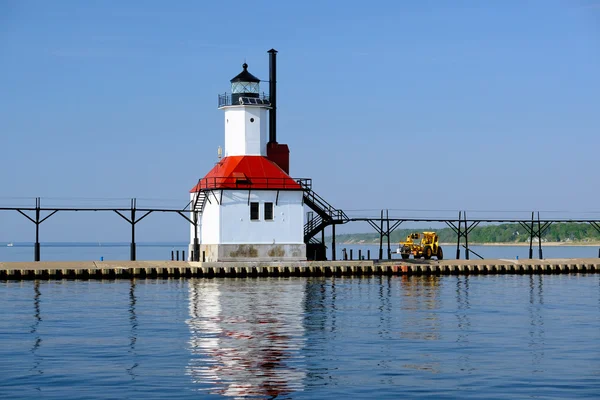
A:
440, 254
427, 253
405, 256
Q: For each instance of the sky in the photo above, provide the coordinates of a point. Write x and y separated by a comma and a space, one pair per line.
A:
420, 107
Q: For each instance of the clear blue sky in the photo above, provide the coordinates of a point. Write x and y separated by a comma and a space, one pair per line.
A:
430, 105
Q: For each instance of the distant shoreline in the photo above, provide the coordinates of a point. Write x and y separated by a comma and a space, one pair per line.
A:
558, 244
516, 244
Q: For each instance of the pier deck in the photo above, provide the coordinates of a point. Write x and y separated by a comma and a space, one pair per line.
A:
163, 269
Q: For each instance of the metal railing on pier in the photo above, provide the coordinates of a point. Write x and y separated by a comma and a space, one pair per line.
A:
327, 215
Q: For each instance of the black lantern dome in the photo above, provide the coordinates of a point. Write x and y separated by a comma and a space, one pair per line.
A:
244, 85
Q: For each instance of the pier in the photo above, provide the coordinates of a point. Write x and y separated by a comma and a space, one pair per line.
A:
191, 269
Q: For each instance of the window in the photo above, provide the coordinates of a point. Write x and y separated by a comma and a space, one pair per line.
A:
254, 211
268, 211
245, 87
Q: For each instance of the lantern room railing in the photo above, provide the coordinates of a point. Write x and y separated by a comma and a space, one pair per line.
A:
225, 100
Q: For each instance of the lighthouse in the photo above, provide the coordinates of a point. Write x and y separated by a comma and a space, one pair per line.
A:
247, 207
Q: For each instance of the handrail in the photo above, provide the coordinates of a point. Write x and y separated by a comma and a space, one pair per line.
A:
232, 182
325, 206
326, 213
312, 224
306, 183
225, 99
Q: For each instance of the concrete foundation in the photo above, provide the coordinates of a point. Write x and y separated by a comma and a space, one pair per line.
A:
252, 252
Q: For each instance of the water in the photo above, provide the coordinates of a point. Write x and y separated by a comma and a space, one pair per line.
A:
91, 251
162, 251
493, 336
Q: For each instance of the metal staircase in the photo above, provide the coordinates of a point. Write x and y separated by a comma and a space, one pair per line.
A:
199, 202
326, 214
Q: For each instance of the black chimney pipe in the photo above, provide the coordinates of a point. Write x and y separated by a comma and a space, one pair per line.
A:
273, 95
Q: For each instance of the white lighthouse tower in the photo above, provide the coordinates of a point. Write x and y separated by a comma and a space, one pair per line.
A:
247, 207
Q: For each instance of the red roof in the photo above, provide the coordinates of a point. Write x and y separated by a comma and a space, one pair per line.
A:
246, 172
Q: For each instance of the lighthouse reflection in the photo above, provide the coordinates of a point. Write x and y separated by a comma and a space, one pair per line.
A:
246, 337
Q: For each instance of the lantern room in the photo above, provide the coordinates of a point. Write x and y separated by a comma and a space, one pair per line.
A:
244, 85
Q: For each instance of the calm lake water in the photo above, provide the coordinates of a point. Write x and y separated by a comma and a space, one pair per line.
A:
493, 336
120, 251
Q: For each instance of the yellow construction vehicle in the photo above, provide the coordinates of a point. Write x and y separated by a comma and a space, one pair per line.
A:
427, 247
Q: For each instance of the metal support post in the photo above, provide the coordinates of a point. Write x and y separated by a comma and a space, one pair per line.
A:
540, 237
133, 221
195, 256
324, 254
381, 238
459, 234
36, 255
531, 238
37, 221
196, 251
333, 242
466, 234
132, 246
389, 249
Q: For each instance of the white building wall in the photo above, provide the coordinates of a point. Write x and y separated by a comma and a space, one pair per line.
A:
287, 226
210, 221
242, 135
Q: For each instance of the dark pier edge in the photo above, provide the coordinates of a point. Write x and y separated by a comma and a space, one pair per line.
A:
182, 269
